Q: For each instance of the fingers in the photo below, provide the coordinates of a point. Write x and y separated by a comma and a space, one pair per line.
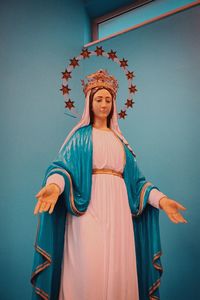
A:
43, 196
181, 206
172, 210
41, 192
46, 208
37, 207
42, 206
180, 218
177, 218
178, 205
171, 217
44, 201
51, 208
45, 205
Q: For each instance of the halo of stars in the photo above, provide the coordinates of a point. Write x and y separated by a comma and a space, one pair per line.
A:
85, 54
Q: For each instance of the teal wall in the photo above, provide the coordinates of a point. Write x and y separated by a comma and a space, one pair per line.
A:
37, 39
163, 129
141, 14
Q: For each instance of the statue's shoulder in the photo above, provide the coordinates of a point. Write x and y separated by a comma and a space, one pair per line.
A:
81, 135
83, 130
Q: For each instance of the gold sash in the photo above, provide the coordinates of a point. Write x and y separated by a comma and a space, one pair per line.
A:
107, 171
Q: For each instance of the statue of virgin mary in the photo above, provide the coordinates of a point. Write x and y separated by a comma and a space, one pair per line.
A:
100, 239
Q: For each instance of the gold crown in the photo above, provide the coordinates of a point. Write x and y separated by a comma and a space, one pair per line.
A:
100, 79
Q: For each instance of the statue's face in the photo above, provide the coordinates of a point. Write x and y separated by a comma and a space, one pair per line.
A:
102, 104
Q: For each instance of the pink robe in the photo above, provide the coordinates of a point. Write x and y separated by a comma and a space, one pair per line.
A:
99, 259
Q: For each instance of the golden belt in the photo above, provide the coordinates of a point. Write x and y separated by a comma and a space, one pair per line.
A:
107, 171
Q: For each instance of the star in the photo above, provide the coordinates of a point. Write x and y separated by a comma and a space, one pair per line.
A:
122, 114
85, 53
65, 89
129, 103
123, 63
112, 55
82, 82
99, 51
69, 104
132, 88
74, 62
66, 75
130, 75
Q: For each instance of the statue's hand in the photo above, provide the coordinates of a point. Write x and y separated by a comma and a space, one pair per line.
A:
171, 208
47, 198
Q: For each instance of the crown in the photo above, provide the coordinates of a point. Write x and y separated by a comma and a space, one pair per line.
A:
100, 79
